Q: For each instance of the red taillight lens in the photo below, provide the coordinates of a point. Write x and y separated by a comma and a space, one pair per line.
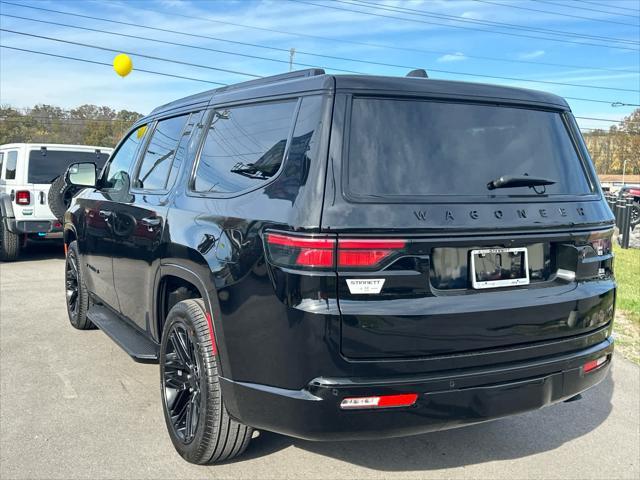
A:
297, 251
366, 252
325, 252
382, 401
23, 197
594, 364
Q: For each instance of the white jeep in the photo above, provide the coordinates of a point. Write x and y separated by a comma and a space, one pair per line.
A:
27, 171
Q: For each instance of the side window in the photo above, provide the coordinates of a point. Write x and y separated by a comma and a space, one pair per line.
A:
244, 146
12, 163
1, 164
187, 142
165, 142
116, 174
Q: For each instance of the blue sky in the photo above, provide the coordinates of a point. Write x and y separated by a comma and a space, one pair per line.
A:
27, 78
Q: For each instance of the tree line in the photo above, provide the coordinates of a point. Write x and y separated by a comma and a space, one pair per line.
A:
84, 125
610, 148
104, 126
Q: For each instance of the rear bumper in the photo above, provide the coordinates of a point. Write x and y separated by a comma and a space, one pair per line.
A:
444, 401
52, 228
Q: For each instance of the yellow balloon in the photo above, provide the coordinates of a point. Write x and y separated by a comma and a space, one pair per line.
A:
122, 64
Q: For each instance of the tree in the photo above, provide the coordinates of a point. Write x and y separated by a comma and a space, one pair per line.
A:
86, 124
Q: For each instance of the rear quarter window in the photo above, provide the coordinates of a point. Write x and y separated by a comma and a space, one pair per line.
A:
12, 165
244, 147
409, 148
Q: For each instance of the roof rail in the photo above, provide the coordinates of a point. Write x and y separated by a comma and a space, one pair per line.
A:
309, 72
418, 73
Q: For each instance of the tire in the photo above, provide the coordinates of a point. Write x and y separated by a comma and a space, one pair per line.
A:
635, 213
9, 243
187, 350
60, 195
76, 294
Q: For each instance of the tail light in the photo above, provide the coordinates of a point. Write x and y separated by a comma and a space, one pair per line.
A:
366, 253
382, 401
23, 197
326, 252
288, 250
601, 242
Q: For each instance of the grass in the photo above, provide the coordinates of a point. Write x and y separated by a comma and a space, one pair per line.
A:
627, 323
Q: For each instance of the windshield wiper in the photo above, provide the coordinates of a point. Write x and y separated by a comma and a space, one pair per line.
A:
512, 181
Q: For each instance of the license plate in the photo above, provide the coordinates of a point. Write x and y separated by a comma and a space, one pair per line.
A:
499, 267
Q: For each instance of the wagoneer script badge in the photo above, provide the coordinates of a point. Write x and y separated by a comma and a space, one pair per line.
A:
368, 285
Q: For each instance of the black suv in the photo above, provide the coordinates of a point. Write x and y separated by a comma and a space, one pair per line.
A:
345, 257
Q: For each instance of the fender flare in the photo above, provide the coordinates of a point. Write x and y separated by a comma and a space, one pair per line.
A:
209, 297
6, 206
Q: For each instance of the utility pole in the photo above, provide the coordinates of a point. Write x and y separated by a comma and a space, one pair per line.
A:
292, 53
624, 170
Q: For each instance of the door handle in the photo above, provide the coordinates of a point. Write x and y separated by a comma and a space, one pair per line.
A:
151, 221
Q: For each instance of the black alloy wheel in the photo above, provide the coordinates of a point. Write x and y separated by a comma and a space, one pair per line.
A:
200, 428
76, 295
182, 381
71, 284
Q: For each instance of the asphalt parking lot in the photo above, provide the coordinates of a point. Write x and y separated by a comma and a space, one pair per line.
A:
73, 405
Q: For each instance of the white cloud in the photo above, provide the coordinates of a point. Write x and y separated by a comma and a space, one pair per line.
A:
532, 54
473, 15
452, 57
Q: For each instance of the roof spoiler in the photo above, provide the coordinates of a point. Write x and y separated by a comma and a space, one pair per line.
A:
418, 73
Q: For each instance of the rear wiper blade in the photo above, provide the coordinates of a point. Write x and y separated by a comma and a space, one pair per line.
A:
512, 181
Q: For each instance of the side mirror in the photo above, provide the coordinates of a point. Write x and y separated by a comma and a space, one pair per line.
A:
81, 174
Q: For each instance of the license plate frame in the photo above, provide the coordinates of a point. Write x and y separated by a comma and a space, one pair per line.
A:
503, 282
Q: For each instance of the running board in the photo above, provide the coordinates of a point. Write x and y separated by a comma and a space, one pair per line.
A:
139, 347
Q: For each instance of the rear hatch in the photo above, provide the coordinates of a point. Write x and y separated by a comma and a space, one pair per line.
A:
46, 164
434, 260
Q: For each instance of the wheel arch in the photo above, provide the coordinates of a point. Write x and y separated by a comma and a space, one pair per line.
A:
180, 275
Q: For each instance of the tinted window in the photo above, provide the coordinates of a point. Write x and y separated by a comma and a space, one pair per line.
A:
184, 146
116, 175
156, 163
244, 147
12, 162
46, 165
409, 148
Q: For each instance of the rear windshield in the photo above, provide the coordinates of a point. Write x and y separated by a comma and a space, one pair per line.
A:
46, 165
408, 148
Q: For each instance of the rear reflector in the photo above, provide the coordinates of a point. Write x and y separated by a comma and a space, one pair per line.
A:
383, 401
23, 197
594, 364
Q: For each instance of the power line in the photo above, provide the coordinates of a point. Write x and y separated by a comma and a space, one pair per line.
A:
586, 8
283, 49
165, 30
556, 13
109, 65
322, 5
603, 120
610, 6
456, 18
450, 72
151, 57
377, 45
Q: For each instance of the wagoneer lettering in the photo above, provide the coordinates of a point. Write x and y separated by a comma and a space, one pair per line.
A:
297, 262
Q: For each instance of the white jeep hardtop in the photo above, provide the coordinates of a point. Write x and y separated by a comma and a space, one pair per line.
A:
26, 173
